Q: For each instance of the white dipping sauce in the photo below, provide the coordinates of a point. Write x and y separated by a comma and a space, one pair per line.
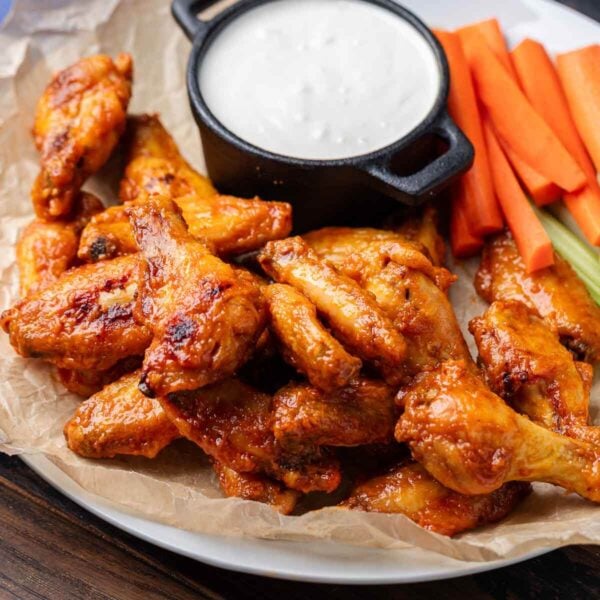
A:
319, 79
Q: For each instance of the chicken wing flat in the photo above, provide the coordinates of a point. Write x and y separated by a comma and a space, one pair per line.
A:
252, 486
78, 121
229, 225
472, 442
410, 490
406, 286
232, 423
555, 293
46, 249
352, 313
205, 317
526, 365
82, 321
361, 413
120, 420
306, 344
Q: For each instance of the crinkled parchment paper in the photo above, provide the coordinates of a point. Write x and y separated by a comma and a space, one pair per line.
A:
178, 488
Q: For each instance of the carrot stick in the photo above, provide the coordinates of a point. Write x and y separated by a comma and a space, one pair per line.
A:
517, 122
541, 190
530, 236
463, 242
542, 87
479, 202
492, 34
579, 73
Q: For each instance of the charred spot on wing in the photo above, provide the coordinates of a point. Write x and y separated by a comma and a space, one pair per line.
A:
145, 387
180, 330
118, 312
82, 305
99, 249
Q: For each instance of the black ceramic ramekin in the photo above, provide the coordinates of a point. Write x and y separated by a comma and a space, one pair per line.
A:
356, 189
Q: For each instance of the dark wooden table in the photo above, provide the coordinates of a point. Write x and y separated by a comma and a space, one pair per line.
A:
50, 548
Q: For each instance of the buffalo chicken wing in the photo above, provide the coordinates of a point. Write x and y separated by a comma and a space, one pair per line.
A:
204, 316
555, 293
78, 121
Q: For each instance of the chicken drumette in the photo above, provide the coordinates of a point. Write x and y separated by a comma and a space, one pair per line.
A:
471, 441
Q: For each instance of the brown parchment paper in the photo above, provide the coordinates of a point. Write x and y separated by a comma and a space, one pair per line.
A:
178, 488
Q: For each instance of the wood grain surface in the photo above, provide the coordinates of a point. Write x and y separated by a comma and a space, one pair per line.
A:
52, 549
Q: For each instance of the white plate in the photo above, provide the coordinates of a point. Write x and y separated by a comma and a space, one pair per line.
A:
560, 29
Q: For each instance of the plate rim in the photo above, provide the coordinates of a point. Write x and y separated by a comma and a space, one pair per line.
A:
119, 517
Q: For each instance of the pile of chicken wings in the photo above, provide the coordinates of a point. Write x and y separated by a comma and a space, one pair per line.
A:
331, 362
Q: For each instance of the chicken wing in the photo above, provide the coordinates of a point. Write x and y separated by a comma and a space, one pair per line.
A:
307, 345
251, 486
82, 321
406, 286
85, 383
472, 442
46, 249
229, 225
361, 413
232, 423
410, 490
555, 293
78, 122
205, 317
526, 365
352, 313
424, 230
120, 420
107, 235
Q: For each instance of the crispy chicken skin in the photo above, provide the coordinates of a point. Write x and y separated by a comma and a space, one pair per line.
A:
556, 293
46, 249
107, 235
232, 422
472, 442
85, 383
78, 121
120, 420
205, 317
352, 313
410, 490
306, 344
362, 252
526, 365
82, 321
424, 230
361, 413
252, 486
406, 286
228, 224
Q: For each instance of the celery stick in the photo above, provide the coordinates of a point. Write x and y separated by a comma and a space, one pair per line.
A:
585, 262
